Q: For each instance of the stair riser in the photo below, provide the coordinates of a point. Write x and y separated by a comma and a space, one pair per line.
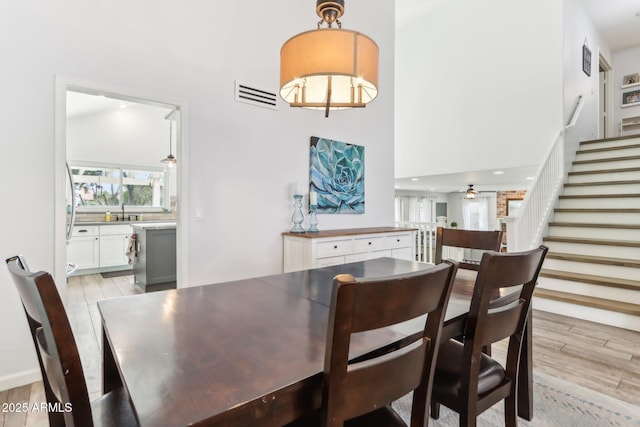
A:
597, 217
596, 233
601, 189
605, 292
594, 250
605, 317
599, 203
614, 271
600, 177
622, 152
610, 144
618, 164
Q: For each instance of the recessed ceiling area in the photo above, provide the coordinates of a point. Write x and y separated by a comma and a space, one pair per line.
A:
483, 180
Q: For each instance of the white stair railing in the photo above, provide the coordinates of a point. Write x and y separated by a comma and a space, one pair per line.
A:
425, 238
525, 228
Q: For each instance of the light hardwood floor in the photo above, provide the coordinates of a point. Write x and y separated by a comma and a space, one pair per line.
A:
599, 357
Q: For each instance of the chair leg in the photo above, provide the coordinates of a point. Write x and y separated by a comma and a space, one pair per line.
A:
435, 409
467, 420
510, 411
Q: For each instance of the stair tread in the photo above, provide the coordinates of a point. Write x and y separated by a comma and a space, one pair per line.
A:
599, 171
605, 159
590, 241
601, 196
615, 138
605, 304
587, 184
597, 150
592, 259
599, 210
613, 282
594, 225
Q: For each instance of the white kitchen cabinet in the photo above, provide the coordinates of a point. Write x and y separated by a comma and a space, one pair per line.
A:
84, 247
114, 242
334, 247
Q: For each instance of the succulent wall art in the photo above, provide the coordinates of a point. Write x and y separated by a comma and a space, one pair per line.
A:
337, 175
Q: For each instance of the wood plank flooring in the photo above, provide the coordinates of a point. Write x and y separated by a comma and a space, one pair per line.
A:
599, 357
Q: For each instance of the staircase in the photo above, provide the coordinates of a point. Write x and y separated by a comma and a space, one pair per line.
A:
592, 270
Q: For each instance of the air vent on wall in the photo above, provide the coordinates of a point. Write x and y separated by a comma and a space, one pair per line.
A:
254, 96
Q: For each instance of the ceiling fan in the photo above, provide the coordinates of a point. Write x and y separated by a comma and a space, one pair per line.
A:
470, 193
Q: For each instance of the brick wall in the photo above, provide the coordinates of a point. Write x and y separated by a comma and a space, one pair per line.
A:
501, 209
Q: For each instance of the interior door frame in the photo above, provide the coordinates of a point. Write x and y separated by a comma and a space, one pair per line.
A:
62, 85
605, 98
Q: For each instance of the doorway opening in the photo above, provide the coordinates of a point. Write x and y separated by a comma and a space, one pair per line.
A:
605, 100
111, 149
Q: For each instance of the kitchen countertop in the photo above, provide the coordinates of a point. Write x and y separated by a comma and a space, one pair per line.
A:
154, 225
81, 223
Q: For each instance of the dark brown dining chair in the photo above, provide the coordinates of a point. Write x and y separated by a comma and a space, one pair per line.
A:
467, 239
360, 391
62, 374
467, 380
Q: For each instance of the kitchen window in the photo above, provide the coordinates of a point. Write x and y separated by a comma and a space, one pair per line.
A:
99, 187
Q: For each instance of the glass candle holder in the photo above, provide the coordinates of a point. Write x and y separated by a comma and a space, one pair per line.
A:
297, 218
313, 219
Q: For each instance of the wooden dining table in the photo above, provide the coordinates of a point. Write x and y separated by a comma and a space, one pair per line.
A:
248, 352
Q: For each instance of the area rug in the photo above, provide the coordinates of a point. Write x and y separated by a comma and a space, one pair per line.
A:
557, 403
120, 273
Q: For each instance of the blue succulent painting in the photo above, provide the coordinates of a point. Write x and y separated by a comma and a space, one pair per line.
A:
337, 175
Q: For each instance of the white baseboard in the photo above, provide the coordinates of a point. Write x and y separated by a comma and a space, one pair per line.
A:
20, 379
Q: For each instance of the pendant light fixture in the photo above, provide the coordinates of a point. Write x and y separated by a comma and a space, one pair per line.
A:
471, 193
329, 68
170, 160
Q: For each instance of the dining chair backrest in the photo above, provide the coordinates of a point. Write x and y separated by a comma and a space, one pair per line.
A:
466, 239
58, 356
489, 321
500, 307
358, 387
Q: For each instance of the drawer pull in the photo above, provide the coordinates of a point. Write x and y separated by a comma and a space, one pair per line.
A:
369, 242
82, 231
335, 246
398, 240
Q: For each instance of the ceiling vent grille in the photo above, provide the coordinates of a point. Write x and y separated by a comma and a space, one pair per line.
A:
254, 96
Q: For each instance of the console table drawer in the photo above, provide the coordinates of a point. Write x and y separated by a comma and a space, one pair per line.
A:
399, 240
326, 262
334, 247
369, 244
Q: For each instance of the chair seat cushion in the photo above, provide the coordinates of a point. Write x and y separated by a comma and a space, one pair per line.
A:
383, 417
113, 410
448, 376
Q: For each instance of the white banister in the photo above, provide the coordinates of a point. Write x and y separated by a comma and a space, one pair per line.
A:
425, 238
525, 228
576, 112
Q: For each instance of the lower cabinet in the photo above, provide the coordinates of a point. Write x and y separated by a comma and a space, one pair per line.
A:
94, 247
156, 262
83, 249
114, 242
334, 247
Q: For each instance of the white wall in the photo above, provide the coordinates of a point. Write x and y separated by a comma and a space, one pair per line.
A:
137, 135
625, 62
578, 28
241, 159
478, 84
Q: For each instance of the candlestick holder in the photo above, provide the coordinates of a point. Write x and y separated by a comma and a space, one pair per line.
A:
297, 218
313, 219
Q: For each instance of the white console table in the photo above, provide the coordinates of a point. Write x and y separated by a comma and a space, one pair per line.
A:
303, 251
